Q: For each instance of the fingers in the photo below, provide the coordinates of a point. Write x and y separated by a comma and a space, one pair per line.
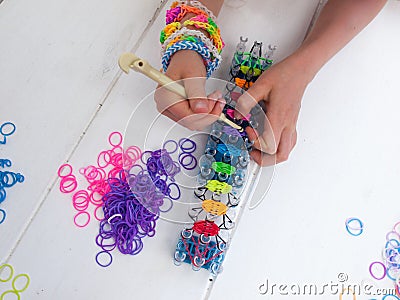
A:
263, 159
180, 112
269, 139
288, 140
285, 146
249, 99
195, 89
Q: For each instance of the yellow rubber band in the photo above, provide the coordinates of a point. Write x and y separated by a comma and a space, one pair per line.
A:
11, 272
28, 280
218, 187
10, 292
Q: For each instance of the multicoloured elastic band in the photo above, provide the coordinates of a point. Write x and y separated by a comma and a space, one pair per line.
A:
202, 22
176, 13
196, 4
194, 36
351, 229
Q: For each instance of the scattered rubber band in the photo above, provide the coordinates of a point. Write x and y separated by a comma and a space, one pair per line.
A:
82, 213
171, 142
389, 295
95, 214
349, 228
3, 215
187, 165
189, 149
107, 264
10, 292
68, 184
11, 272
28, 280
383, 267
389, 269
61, 170
110, 138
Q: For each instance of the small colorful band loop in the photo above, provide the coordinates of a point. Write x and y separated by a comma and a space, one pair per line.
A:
95, 213
5, 163
386, 297
8, 132
187, 161
175, 146
393, 268
3, 215
2, 296
350, 229
187, 149
372, 273
28, 280
115, 135
106, 264
68, 184
64, 170
78, 215
2, 267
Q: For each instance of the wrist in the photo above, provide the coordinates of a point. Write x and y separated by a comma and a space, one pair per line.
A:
307, 60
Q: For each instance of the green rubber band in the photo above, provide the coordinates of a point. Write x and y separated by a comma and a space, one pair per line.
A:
28, 280
11, 272
162, 36
191, 39
222, 167
10, 292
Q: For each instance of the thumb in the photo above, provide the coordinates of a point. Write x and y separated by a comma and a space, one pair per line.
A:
196, 93
250, 98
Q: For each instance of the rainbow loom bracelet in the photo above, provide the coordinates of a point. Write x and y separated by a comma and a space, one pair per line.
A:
187, 45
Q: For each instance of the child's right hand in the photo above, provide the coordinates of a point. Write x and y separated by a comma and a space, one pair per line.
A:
199, 110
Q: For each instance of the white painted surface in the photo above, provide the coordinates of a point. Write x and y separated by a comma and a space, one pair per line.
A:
58, 61
345, 163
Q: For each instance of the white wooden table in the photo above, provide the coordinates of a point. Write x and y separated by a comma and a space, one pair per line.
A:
60, 84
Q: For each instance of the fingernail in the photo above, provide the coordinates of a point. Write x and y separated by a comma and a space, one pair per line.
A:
200, 105
218, 94
222, 105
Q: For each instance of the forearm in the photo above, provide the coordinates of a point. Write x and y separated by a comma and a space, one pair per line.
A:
339, 22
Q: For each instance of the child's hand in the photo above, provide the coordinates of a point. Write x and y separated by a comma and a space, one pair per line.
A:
282, 88
199, 110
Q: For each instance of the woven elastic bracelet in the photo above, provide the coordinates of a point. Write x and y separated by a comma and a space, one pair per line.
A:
196, 4
169, 30
201, 22
211, 65
183, 34
176, 14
